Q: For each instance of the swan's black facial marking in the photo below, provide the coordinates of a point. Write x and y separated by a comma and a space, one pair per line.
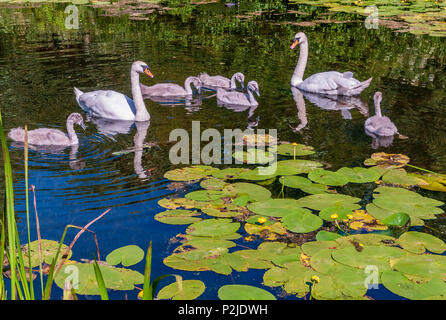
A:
146, 70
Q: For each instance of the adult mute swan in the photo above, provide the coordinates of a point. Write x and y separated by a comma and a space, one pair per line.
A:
330, 82
239, 98
222, 82
114, 105
171, 89
50, 137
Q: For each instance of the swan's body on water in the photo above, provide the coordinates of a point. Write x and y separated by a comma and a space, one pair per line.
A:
330, 82
110, 104
214, 82
49, 136
380, 125
239, 98
171, 89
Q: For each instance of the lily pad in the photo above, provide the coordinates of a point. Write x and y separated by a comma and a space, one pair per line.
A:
301, 222
359, 175
400, 177
215, 228
327, 236
48, 251
402, 286
190, 290
127, 256
254, 156
419, 242
303, 184
253, 191
276, 207
335, 213
114, 278
295, 149
177, 216
435, 182
189, 173
328, 177
322, 201
243, 292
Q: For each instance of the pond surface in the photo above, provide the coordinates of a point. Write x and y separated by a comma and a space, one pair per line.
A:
41, 62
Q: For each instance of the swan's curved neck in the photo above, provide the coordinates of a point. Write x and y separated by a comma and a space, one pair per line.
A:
301, 109
188, 85
71, 133
299, 71
251, 98
378, 109
141, 112
233, 84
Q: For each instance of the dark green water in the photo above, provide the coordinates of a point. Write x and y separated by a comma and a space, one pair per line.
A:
41, 62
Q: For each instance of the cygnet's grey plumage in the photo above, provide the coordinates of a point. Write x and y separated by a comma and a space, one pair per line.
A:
171, 89
222, 82
48, 136
239, 98
380, 125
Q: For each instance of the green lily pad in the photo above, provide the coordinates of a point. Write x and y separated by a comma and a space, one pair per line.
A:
359, 175
48, 252
322, 201
276, 207
339, 211
114, 278
402, 286
419, 242
254, 156
382, 214
327, 236
205, 195
400, 176
421, 266
127, 256
435, 182
190, 290
292, 167
175, 203
396, 219
303, 184
229, 173
189, 173
301, 222
177, 216
243, 292
328, 177
213, 184
293, 276
253, 191
215, 228
290, 149
378, 256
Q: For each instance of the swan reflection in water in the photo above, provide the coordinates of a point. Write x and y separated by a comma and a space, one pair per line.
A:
326, 102
110, 128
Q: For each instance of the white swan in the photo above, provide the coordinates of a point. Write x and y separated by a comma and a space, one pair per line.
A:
222, 82
50, 137
239, 98
330, 82
171, 89
114, 105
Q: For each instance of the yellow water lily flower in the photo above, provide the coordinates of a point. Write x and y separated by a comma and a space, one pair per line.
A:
361, 245
261, 220
140, 294
334, 216
349, 216
315, 279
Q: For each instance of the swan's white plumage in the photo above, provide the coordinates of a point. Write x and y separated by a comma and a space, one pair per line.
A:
330, 82
114, 105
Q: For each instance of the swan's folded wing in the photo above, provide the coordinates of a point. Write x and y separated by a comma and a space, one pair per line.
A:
108, 104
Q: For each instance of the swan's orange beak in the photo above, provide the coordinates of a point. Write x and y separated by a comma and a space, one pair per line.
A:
294, 44
147, 72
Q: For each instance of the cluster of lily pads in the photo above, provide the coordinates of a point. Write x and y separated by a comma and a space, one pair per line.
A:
322, 243
414, 16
